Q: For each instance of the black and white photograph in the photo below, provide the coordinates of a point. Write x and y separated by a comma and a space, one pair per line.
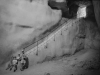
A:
49, 37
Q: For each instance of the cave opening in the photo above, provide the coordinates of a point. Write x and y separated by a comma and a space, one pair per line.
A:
62, 32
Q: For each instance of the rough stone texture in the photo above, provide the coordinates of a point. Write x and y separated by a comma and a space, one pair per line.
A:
96, 5
75, 36
21, 21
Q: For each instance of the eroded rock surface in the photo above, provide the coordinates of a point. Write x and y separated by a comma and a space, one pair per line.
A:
21, 21
74, 36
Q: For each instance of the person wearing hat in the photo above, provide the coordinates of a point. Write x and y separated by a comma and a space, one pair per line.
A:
15, 63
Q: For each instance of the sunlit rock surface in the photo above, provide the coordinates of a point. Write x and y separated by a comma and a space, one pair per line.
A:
77, 40
68, 50
21, 21
74, 36
81, 12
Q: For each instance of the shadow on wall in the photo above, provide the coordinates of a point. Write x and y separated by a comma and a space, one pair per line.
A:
96, 5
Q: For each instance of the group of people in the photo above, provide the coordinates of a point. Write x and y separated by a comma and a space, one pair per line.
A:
21, 60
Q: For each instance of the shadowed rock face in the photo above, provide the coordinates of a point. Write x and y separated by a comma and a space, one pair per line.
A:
95, 8
19, 19
61, 5
96, 5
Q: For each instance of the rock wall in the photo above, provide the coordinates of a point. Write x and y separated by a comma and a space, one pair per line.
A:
96, 5
74, 36
21, 21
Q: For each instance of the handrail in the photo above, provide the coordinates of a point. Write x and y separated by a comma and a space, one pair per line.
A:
61, 24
